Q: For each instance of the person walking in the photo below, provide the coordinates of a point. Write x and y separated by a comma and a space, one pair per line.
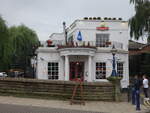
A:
145, 87
133, 90
137, 86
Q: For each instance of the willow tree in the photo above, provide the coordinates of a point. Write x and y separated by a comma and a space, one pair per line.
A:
140, 22
5, 47
23, 41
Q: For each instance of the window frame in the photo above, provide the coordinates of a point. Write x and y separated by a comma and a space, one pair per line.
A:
120, 69
102, 39
103, 69
53, 70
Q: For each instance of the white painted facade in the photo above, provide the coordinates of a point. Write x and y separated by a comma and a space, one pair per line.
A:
118, 36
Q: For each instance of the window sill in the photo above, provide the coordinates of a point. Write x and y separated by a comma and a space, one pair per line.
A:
101, 80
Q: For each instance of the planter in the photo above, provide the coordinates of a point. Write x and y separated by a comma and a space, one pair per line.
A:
114, 79
116, 82
49, 43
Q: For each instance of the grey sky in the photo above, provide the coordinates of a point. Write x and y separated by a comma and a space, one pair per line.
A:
46, 16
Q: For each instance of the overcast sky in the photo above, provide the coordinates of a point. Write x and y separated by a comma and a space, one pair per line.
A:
46, 16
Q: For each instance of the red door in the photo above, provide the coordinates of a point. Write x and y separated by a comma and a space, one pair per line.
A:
76, 70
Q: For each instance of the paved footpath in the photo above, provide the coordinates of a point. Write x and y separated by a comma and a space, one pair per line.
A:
28, 105
7, 108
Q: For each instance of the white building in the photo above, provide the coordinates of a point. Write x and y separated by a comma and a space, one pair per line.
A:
88, 52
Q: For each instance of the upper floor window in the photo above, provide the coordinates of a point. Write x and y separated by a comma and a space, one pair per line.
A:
101, 40
100, 70
53, 70
120, 68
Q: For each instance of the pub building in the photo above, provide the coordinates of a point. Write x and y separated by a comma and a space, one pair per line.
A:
83, 50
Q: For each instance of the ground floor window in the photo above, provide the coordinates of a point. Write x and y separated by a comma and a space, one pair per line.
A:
120, 68
53, 70
100, 70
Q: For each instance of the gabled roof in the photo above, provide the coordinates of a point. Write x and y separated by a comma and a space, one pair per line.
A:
135, 45
145, 46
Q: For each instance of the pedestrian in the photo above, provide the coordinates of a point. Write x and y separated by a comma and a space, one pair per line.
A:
137, 85
145, 87
133, 90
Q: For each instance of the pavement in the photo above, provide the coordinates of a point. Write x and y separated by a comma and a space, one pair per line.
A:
9, 104
8, 108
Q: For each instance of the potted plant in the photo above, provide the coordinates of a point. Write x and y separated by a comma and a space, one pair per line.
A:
115, 80
114, 18
119, 18
94, 18
105, 18
109, 19
49, 43
90, 18
85, 18
98, 18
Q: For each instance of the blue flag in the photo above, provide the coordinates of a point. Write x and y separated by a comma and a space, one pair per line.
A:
79, 37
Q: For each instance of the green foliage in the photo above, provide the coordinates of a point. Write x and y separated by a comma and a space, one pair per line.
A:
5, 47
23, 40
140, 22
136, 2
145, 64
134, 65
139, 64
17, 45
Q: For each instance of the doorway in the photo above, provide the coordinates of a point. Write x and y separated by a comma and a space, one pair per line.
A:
76, 71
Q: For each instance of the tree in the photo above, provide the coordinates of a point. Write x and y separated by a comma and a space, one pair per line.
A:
140, 22
5, 47
23, 40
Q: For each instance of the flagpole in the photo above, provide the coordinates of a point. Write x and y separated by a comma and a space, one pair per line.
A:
65, 32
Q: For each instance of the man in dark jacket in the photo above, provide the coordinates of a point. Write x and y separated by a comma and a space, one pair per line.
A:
137, 86
133, 90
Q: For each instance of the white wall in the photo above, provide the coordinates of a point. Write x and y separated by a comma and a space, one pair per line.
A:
99, 57
42, 65
118, 31
57, 36
107, 58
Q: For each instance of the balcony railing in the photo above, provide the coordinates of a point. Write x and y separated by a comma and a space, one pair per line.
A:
89, 44
78, 45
